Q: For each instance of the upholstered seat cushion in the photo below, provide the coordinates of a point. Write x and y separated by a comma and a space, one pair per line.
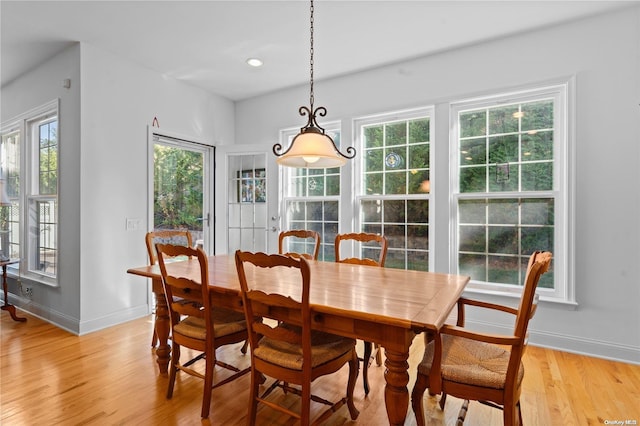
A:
324, 348
225, 322
471, 362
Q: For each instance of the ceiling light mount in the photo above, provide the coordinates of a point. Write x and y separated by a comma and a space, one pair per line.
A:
312, 147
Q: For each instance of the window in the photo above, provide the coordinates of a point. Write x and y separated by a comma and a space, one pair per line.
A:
510, 194
311, 198
394, 184
31, 222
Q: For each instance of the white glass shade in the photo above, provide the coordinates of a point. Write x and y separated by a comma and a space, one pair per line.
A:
312, 150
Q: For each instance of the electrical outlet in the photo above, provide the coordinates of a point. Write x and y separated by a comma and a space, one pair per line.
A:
29, 292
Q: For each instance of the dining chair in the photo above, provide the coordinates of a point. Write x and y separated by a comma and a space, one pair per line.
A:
480, 366
298, 238
291, 354
165, 236
373, 244
196, 323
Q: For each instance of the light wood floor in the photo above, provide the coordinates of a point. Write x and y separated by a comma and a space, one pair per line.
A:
110, 377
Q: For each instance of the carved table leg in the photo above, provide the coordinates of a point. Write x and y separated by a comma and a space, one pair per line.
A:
163, 351
396, 395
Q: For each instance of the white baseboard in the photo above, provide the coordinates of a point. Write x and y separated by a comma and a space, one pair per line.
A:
73, 325
562, 342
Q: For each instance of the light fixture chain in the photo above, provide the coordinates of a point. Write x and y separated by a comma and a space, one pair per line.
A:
311, 97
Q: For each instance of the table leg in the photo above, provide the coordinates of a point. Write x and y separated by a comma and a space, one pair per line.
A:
396, 394
163, 326
7, 306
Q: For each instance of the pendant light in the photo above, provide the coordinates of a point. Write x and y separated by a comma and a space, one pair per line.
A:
312, 147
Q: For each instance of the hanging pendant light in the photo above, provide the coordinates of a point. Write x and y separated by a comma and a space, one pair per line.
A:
312, 147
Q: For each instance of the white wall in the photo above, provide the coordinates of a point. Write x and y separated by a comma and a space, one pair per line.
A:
60, 305
103, 175
603, 53
119, 100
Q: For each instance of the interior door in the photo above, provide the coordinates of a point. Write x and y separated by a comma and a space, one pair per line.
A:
249, 202
182, 186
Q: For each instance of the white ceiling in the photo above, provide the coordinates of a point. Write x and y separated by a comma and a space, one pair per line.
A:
206, 43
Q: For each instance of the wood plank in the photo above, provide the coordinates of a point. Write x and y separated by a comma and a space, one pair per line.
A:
49, 376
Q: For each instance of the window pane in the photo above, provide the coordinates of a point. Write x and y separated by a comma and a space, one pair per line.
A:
373, 160
419, 131
473, 123
537, 177
48, 158
394, 211
396, 134
395, 163
537, 115
503, 120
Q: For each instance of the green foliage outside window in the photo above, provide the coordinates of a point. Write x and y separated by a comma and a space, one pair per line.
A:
178, 177
505, 149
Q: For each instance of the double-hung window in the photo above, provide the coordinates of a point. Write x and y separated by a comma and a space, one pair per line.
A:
29, 163
393, 184
510, 196
311, 199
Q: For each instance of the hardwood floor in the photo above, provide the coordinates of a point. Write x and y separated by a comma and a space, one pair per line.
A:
110, 377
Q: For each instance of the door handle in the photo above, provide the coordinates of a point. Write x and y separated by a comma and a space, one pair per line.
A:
204, 218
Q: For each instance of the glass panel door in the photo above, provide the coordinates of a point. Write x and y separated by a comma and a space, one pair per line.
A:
181, 187
247, 203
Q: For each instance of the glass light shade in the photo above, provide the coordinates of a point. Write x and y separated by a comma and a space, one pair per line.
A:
312, 150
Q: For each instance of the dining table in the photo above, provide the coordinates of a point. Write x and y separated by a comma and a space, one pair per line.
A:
383, 305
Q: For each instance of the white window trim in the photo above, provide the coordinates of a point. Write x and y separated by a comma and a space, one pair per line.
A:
22, 122
358, 196
563, 92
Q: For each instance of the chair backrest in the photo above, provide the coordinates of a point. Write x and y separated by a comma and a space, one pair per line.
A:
180, 237
538, 264
252, 297
179, 290
367, 238
295, 235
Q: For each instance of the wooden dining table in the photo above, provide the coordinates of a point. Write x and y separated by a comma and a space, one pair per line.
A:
383, 305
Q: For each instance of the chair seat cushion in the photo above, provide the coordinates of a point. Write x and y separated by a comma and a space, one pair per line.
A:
325, 347
225, 322
471, 362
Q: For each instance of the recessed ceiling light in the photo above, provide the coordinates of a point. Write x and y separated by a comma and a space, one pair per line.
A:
254, 62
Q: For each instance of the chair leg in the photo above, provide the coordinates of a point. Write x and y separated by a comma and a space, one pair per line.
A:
210, 363
256, 378
365, 367
244, 347
519, 408
354, 366
462, 414
305, 407
173, 368
378, 355
422, 382
509, 414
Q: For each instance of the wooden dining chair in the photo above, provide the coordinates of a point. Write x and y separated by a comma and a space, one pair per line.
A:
166, 236
290, 354
479, 366
196, 323
372, 243
299, 238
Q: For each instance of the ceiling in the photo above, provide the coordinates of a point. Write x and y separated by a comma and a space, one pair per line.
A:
206, 43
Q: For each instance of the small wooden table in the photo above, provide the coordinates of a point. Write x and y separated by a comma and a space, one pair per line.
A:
7, 306
382, 305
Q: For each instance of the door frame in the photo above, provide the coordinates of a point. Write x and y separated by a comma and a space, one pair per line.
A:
222, 195
209, 175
